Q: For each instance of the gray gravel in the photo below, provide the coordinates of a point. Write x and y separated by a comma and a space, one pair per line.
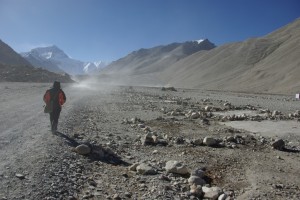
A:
112, 121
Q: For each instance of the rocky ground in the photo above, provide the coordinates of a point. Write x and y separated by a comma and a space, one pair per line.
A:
153, 143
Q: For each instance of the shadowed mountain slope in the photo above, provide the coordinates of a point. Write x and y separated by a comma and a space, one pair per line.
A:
14, 68
23, 73
9, 56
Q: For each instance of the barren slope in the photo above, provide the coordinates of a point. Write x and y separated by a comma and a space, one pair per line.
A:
244, 168
268, 64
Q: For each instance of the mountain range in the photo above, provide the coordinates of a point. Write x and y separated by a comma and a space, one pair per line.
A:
15, 68
56, 60
268, 64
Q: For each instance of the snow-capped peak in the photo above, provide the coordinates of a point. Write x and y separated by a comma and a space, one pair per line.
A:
199, 41
98, 63
47, 55
56, 58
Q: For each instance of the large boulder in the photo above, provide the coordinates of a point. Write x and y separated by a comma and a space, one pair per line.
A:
278, 144
145, 169
196, 180
176, 167
211, 192
209, 141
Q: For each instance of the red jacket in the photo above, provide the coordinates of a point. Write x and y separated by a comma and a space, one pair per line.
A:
61, 97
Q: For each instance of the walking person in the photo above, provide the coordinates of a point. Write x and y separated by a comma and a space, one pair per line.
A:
54, 99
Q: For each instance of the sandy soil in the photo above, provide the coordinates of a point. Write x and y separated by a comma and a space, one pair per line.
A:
48, 168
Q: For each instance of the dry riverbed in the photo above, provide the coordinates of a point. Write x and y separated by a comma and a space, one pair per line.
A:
133, 137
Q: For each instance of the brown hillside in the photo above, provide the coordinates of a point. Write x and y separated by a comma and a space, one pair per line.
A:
270, 64
19, 73
10, 57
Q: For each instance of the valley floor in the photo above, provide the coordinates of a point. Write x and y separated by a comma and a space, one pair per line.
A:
36, 164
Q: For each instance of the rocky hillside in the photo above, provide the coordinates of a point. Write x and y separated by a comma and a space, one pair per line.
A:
14, 68
156, 59
24, 73
9, 56
268, 64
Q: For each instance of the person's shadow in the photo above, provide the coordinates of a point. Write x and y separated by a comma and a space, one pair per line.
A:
98, 153
70, 141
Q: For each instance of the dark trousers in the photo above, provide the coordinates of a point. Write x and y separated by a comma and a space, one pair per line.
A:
54, 118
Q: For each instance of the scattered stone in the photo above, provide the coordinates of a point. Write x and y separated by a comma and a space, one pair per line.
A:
196, 190
205, 121
198, 172
223, 197
168, 89
278, 157
227, 104
164, 177
128, 194
209, 141
278, 144
116, 197
148, 139
208, 108
275, 113
145, 169
197, 142
133, 167
83, 149
179, 140
155, 152
195, 115
141, 125
211, 192
176, 167
230, 139
20, 176
196, 180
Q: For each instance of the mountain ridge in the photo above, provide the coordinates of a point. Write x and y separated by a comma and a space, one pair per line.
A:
267, 64
14, 68
254, 65
9, 56
56, 60
155, 59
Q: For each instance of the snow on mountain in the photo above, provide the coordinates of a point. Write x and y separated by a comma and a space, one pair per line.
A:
199, 41
100, 64
90, 67
43, 56
47, 55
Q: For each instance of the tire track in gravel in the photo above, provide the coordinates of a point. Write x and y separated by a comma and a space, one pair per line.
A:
25, 137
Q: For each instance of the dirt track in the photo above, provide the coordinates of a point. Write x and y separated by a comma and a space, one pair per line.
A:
52, 170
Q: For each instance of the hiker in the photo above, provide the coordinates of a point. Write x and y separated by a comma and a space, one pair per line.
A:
54, 99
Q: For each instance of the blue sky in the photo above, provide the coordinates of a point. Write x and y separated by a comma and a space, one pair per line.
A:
92, 30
